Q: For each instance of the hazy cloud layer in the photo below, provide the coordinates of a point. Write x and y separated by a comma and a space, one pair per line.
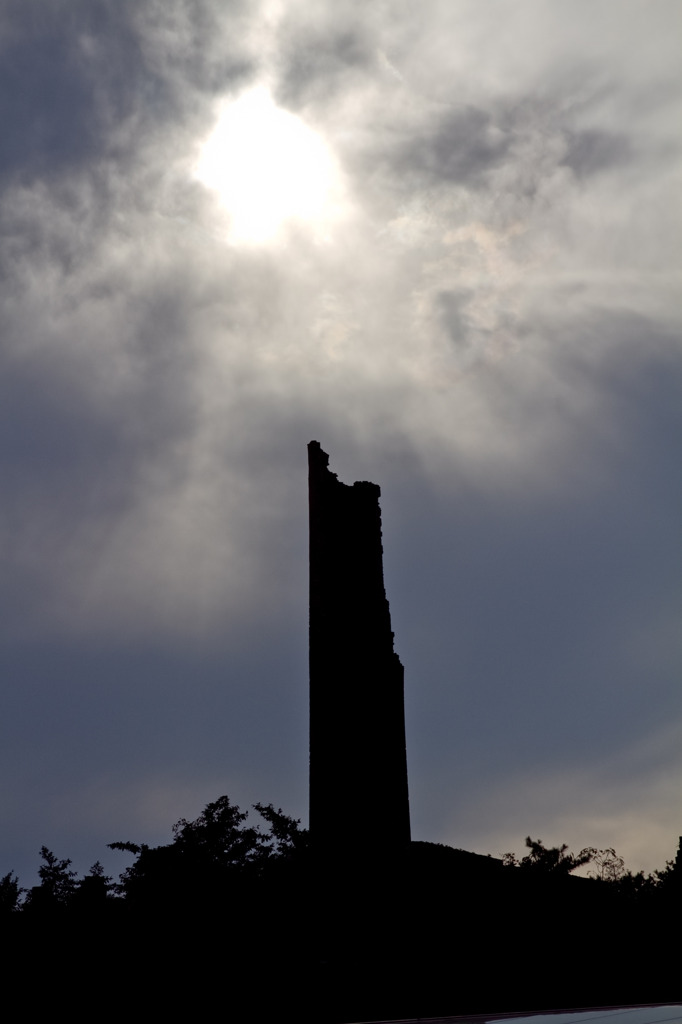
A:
485, 321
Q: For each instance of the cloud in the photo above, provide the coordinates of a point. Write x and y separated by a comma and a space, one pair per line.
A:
590, 152
631, 796
491, 331
320, 53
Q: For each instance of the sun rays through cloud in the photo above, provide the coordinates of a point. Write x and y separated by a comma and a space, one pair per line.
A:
269, 170
442, 240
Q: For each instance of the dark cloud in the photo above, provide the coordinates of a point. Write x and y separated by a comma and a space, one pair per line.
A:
88, 729
320, 56
548, 609
450, 306
81, 81
590, 152
460, 147
69, 74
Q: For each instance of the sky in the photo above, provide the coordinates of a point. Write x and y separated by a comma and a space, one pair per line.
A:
444, 241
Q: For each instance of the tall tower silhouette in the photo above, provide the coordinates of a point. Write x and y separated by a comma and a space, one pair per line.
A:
358, 763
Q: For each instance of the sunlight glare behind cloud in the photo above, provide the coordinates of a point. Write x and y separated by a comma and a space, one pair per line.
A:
269, 169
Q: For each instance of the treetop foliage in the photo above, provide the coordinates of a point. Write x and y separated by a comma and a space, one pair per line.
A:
10, 892
553, 860
206, 855
219, 835
606, 867
206, 852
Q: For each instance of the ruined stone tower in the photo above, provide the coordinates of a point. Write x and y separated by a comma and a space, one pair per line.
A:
358, 765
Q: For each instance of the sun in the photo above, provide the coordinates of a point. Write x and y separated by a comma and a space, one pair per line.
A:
269, 169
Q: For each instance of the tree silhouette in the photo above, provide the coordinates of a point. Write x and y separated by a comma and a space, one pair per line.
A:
608, 866
553, 860
207, 853
93, 891
369, 935
218, 836
57, 884
10, 893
